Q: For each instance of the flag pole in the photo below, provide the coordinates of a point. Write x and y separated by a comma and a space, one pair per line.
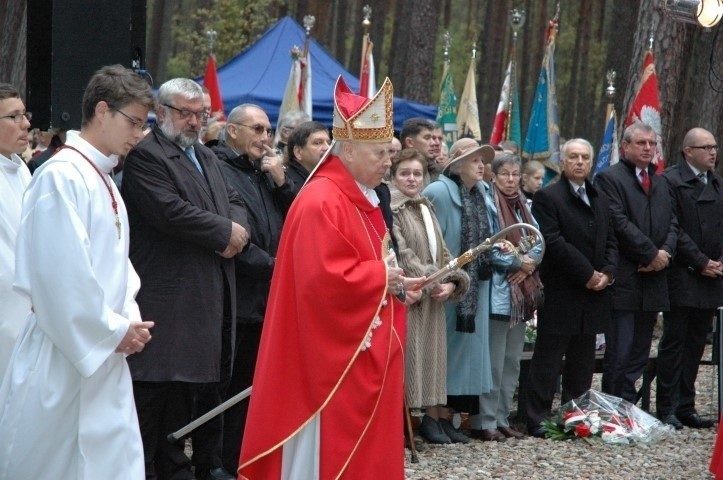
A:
517, 21
309, 21
610, 93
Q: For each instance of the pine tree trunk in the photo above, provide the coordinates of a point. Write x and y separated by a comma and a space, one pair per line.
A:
13, 42
419, 70
492, 60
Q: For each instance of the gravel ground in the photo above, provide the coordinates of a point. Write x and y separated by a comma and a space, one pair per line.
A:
684, 455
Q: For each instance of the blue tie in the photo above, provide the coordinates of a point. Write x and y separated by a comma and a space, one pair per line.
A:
190, 153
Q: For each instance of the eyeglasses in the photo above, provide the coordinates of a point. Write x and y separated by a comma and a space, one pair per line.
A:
137, 124
18, 117
258, 129
186, 114
508, 174
707, 148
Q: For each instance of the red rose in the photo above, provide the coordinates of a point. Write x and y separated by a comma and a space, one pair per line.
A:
582, 430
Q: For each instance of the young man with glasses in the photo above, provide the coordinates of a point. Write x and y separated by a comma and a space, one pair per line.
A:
14, 179
187, 224
256, 172
66, 408
695, 278
646, 229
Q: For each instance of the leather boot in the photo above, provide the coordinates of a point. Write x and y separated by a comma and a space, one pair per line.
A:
455, 435
432, 432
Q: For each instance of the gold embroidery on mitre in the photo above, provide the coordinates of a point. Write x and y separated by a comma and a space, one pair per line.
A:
373, 123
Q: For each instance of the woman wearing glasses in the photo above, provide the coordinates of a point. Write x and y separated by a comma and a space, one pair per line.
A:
515, 293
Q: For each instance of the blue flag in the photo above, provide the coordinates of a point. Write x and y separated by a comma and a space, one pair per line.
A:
609, 149
543, 132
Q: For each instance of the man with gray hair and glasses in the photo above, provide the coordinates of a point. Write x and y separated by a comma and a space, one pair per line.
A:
187, 224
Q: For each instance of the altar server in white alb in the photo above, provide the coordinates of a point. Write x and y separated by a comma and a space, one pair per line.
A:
66, 401
14, 178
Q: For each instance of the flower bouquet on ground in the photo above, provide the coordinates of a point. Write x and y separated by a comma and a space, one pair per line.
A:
598, 416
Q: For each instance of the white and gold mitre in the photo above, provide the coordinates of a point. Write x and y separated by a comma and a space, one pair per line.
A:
361, 119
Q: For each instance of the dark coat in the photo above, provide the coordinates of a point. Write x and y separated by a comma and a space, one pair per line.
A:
579, 240
266, 206
179, 220
699, 208
297, 173
644, 224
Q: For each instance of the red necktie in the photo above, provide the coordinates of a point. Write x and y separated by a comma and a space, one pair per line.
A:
645, 181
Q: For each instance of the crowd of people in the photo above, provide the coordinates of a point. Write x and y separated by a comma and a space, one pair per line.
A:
226, 258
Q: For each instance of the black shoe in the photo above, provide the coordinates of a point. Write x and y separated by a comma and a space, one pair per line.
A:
694, 421
672, 420
537, 431
214, 474
432, 432
455, 435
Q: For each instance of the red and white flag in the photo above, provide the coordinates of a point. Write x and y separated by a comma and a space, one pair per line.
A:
210, 80
646, 107
500, 124
367, 78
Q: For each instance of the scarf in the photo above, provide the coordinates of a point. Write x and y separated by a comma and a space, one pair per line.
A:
475, 230
526, 296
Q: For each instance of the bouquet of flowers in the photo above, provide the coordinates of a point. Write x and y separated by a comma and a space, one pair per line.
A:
596, 415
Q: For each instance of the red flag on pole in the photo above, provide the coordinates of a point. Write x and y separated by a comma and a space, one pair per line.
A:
646, 107
210, 80
367, 80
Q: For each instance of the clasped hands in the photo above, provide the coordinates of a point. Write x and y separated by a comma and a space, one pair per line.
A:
527, 269
598, 281
713, 269
237, 242
660, 261
136, 337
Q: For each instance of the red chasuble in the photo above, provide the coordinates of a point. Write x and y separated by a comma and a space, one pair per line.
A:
332, 342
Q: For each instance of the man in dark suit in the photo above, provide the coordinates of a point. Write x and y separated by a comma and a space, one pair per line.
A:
579, 264
694, 279
257, 173
186, 226
647, 232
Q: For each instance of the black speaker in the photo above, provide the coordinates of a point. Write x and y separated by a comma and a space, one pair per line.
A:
68, 41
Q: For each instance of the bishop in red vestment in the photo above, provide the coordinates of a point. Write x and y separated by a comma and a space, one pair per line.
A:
328, 388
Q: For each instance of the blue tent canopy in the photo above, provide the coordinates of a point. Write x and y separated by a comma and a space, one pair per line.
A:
259, 75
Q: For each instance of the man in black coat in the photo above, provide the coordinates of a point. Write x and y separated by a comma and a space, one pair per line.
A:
695, 278
186, 226
257, 173
308, 143
579, 265
647, 232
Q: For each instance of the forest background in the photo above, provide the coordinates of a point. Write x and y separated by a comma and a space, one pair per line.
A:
594, 36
